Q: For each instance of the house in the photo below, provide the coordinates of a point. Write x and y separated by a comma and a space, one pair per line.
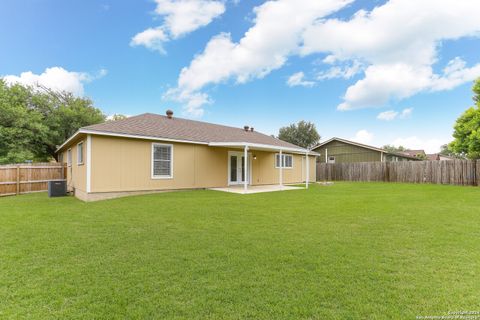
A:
416, 153
438, 156
150, 153
337, 150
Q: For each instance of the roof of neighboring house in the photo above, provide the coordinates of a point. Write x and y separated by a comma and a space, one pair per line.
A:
363, 146
414, 153
433, 156
149, 125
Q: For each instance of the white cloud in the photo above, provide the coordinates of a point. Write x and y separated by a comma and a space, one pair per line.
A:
406, 113
193, 102
298, 79
363, 136
56, 78
400, 56
339, 71
387, 115
416, 143
392, 114
180, 17
395, 46
266, 46
152, 38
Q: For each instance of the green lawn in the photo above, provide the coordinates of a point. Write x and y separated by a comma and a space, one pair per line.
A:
348, 251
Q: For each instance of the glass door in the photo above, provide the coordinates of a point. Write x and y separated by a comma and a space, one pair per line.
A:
236, 168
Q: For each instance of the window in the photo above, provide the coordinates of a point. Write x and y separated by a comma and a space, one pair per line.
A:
69, 157
80, 153
287, 161
331, 159
162, 161
60, 158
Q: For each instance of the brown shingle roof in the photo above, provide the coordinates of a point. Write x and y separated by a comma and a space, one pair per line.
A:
158, 126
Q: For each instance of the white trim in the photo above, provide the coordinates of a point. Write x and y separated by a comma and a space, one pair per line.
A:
124, 135
246, 173
154, 177
239, 153
258, 145
285, 154
83, 153
89, 162
307, 162
69, 159
281, 169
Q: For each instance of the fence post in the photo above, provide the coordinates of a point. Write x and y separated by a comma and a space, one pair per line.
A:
18, 179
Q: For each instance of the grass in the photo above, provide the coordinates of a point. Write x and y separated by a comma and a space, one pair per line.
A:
348, 251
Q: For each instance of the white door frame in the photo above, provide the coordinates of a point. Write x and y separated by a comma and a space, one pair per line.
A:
239, 165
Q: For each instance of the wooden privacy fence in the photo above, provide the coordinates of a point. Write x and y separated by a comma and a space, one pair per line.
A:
29, 177
457, 172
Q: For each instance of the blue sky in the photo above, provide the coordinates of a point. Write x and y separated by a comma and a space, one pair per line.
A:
379, 72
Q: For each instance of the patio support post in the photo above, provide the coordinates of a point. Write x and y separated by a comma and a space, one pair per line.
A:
307, 163
245, 169
281, 168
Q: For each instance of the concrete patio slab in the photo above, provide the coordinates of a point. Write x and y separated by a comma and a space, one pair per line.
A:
256, 189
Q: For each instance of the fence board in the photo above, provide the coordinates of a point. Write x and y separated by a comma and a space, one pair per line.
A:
29, 177
456, 172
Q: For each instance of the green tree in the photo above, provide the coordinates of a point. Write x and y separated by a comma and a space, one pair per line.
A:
393, 149
117, 116
303, 134
467, 129
20, 124
34, 121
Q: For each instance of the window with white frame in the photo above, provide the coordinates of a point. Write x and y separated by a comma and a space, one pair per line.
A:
80, 153
69, 157
162, 161
287, 161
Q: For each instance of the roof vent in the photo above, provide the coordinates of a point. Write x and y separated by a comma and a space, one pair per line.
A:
246, 128
169, 114
251, 129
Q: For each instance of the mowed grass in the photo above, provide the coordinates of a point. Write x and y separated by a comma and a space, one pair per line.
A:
347, 251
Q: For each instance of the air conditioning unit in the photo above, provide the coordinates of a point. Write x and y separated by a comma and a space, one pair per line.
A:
57, 188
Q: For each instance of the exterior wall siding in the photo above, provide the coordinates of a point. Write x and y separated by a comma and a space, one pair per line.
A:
123, 165
346, 153
120, 164
76, 174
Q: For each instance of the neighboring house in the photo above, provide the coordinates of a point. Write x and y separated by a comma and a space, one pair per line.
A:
438, 156
337, 150
150, 152
416, 153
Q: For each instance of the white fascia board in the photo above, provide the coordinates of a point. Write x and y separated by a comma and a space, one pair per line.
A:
261, 146
124, 135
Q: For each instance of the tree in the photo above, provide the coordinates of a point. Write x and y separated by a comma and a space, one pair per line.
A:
303, 134
467, 129
393, 149
20, 125
116, 117
34, 121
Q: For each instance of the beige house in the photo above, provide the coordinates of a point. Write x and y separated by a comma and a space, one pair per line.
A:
150, 153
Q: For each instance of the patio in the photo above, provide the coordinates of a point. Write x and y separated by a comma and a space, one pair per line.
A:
256, 189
